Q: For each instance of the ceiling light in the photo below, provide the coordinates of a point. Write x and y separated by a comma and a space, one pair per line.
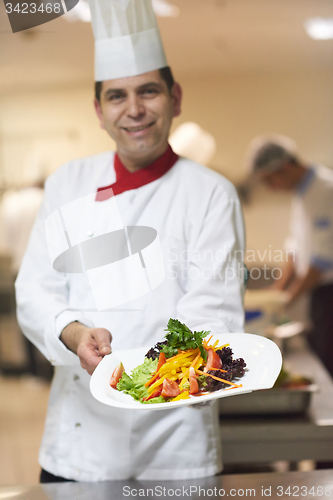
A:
319, 28
163, 8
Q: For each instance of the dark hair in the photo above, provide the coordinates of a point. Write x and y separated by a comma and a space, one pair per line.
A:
166, 75
272, 154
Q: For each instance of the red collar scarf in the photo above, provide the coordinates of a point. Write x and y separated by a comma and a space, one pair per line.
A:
125, 180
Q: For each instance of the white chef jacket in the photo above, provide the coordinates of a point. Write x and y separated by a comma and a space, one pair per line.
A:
311, 225
197, 215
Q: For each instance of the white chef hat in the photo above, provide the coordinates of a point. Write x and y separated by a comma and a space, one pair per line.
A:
269, 152
127, 38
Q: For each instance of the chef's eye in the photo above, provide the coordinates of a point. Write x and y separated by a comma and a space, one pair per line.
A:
116, 97
150, 92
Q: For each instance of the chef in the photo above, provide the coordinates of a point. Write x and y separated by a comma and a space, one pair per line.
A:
275, 161
123, 242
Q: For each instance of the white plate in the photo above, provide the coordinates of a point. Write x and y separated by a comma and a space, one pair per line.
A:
262, 357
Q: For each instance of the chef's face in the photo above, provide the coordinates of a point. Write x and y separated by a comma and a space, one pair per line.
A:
137, 112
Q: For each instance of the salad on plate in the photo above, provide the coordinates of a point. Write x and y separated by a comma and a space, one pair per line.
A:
185, 364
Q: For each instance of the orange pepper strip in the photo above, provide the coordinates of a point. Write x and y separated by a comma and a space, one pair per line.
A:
219, 379
147, 384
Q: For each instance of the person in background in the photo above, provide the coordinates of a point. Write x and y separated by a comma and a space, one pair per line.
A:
73, 304
274, 161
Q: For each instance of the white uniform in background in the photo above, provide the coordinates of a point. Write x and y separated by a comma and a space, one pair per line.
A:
198, 218
312, 243
311, 228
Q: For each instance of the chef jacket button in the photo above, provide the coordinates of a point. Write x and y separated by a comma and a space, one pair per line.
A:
76, 377
78, 425
90, 233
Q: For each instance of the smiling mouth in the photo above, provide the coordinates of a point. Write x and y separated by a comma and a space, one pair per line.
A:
138, 129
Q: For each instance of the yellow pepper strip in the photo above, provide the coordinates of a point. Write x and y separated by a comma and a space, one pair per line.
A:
168, 367
156, 384
183, 381
198, 363
160, 381
185, 377
177, 364
183, 353
184, 370
182, 395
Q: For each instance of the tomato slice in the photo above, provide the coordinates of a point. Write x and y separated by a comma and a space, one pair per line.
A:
116, 375
214, 362
170, 388
161, 361
194, 387
154, 394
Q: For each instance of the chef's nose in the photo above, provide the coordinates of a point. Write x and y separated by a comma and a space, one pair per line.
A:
135, 106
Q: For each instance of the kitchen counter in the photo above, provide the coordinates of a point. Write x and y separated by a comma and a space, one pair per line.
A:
306, 485
291, 437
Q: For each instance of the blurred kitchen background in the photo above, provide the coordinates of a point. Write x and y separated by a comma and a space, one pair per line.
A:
247, 67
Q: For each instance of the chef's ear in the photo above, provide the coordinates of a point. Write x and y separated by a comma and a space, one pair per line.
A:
176, 94
99, 113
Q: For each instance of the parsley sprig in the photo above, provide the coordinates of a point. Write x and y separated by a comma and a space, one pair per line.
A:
181, 337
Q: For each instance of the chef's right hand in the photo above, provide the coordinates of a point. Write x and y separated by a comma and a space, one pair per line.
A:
90, 344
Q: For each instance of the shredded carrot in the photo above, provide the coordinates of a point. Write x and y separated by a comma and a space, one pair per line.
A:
230, 388
211, 368
195, 360
217, 378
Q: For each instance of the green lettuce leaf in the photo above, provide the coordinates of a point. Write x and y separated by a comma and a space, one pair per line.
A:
134, 385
